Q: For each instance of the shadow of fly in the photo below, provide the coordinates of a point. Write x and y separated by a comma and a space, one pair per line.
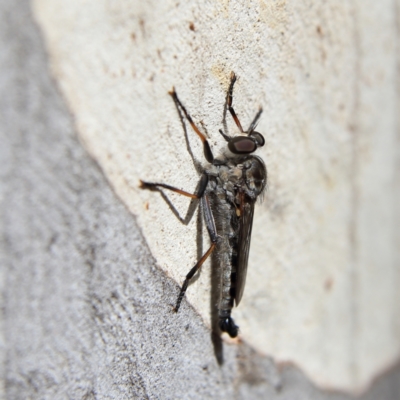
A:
228, 190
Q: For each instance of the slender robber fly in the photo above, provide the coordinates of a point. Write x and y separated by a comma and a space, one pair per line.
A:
227, 190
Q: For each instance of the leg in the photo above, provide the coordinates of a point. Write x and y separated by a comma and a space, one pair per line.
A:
212, 231
255, 120
190, 275
155, 185
198, 195
207, 150
229, 102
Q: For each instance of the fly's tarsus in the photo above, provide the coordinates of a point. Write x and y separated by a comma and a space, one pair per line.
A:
230, 102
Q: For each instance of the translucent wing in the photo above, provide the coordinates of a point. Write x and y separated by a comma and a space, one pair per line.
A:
244, 237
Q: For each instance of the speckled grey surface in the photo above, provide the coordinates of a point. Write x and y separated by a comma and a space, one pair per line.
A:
85, 310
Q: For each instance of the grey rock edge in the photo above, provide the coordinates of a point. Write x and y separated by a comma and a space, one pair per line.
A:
85, 310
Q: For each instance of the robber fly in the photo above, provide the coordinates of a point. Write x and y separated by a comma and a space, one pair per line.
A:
228, 190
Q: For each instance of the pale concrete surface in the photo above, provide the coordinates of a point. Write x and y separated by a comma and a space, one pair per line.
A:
85, 309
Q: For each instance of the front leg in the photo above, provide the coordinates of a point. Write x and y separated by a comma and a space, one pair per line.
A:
229, 102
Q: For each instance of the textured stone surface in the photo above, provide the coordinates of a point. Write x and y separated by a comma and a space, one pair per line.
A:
323, 278
85, 308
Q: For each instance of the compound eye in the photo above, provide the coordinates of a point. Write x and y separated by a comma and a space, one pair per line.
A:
259, 138
242, 145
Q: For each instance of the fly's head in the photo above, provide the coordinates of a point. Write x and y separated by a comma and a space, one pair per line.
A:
243, 145
246, 144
